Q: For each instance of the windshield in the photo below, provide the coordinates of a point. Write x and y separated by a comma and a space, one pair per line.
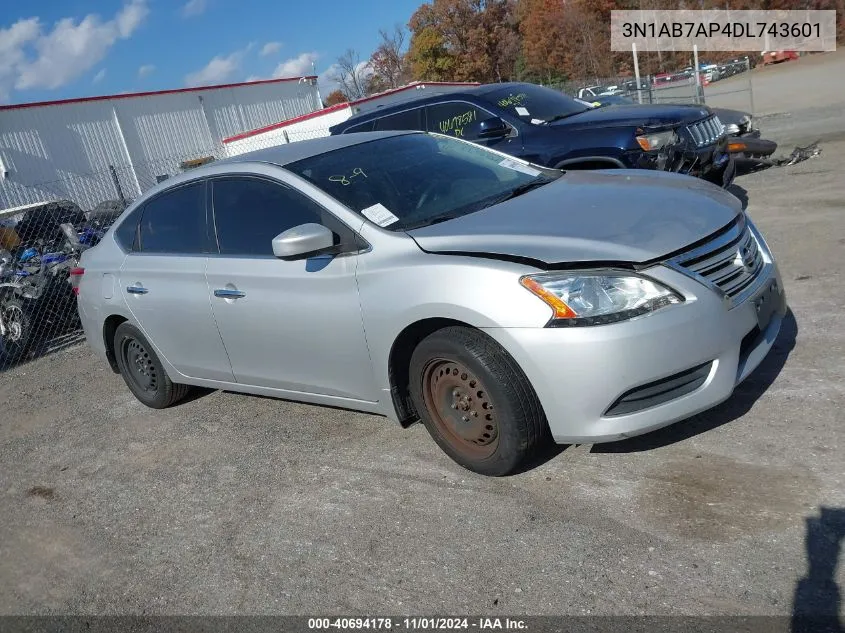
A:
535, 104
413, 180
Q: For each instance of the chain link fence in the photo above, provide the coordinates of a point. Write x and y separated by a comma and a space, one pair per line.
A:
42, 240
726, 85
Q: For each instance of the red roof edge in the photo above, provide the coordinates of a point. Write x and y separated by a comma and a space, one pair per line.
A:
340, 106
287, 122
18, 106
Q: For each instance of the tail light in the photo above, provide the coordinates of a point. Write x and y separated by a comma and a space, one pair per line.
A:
76, 278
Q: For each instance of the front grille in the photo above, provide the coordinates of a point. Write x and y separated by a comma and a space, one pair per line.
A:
732, 261
660, 391
707, 131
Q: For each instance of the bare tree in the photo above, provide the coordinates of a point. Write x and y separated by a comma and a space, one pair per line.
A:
388, 62
353, 75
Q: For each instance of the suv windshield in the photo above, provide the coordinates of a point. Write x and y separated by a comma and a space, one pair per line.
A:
414, 180
535, 104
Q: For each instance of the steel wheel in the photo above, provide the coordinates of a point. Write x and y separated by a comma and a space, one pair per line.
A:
141, 368
460, 408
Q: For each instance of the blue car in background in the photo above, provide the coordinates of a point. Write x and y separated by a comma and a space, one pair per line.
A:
548, 128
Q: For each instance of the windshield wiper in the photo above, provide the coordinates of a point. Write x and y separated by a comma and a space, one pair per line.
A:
465, 210
558, 117
521, 189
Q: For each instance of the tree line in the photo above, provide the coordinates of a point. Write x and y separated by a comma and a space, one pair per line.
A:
541, 41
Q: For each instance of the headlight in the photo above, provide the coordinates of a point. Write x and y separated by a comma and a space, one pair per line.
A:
732, 128
657, 140
597, 298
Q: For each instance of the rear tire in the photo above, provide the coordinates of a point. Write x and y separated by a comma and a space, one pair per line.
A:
475, 401
142, 371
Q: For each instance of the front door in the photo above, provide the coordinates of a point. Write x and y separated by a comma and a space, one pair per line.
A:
293, 325
163, 283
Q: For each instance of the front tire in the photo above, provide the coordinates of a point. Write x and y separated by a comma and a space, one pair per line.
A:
18, 326
142, 371
475, 401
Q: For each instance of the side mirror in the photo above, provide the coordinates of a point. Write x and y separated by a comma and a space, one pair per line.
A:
488, 128
303, 241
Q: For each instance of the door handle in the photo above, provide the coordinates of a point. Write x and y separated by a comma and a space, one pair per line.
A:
136, 290
228, 293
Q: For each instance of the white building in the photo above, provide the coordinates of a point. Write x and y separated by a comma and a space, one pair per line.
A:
317, 124
84, 149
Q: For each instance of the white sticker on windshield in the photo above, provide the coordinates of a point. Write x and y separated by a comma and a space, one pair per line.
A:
379, 214
537, 121
521, 111
517, 166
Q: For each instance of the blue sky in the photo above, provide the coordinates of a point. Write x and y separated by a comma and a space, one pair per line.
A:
51, 49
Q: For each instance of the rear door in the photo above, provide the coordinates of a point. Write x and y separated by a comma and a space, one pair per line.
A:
163, 283
293, 325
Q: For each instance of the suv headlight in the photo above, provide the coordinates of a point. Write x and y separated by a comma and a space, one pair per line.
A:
657, 140
598, 298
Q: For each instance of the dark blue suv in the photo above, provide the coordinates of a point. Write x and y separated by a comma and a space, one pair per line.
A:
548, 128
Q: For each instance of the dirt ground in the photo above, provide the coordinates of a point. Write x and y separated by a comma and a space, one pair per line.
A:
236, 504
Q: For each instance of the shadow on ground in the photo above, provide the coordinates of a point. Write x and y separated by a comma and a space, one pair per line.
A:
818, 599
740, 403
740, 193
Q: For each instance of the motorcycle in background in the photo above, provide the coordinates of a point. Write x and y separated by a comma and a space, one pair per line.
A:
35, 291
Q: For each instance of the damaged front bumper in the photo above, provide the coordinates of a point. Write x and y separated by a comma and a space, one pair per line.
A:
713, 162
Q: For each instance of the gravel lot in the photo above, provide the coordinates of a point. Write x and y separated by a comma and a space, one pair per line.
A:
236, 504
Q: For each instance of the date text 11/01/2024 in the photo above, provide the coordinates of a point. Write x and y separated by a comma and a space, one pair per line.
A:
715, 29
419, 624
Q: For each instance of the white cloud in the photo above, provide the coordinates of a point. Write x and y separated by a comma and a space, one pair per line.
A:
99, 76
219, 70
12, 43
297, 66
145, 70
64, 53
131, 17
193, 8
327, 80
270, 48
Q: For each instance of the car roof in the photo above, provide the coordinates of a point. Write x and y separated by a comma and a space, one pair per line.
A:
425, 100
291, 152
280, 155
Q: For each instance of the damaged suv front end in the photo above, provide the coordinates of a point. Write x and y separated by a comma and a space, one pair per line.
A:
698, 149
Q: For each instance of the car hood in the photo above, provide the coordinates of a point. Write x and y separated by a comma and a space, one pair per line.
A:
590, 216
636, 114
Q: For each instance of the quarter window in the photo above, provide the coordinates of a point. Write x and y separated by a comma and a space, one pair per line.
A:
250, 212
174, 222
362, 127
127, 233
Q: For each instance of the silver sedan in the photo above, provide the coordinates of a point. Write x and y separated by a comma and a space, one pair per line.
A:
422, 277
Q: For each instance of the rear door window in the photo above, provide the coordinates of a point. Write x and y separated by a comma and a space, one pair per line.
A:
407, 120
175, 222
